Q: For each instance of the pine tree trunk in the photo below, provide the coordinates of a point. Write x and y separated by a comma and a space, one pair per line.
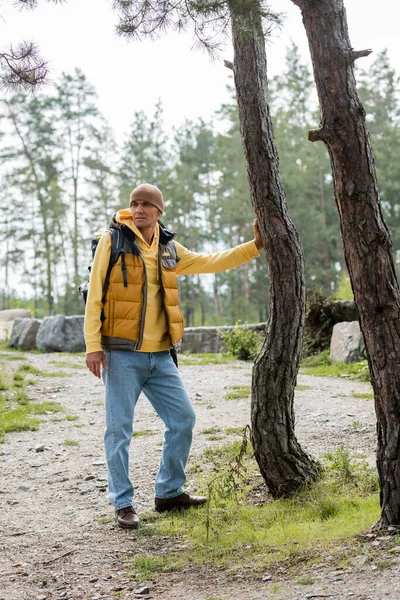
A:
366, 240
283, 464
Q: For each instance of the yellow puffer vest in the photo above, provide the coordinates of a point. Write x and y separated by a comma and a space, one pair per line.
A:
124, 305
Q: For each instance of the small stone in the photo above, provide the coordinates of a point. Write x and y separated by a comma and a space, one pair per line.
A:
144, 591
39, 448
266, 578
89, 477
41, 597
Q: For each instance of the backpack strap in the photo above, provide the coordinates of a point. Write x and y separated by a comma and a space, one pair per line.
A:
117, 244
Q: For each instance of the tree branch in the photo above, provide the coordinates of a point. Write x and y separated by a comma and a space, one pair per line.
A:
354, 54
316, 135
228, 64
22, 67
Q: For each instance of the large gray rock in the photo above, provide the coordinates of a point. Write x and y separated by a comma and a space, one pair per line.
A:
7, 318
23, 334
14, 313
208, 339
61, 334
347, 342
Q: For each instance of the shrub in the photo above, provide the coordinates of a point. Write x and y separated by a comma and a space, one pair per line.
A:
242, 343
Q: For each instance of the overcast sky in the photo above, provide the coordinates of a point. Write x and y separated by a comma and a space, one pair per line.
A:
131, 76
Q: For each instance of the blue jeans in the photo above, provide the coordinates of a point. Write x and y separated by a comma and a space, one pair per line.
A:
154, 373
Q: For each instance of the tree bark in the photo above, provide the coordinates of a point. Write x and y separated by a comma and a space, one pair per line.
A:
366, 240
283, 464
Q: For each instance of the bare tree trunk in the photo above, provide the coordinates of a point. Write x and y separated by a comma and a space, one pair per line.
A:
366, 240
42, 211
283, 464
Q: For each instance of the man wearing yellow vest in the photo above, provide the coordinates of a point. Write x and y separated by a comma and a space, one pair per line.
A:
129, 332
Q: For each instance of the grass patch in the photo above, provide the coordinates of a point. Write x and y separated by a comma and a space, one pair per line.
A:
17, 412
45, 408
17, 419
239, 391
14, 356
303, 388
26, 368
234, 430
306, 580
71, 418
320, 365
231, 533
204, 359
70, 443
211, 430
142, 432
365, 396
66, 365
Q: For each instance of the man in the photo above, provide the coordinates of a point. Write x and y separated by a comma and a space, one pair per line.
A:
129, 332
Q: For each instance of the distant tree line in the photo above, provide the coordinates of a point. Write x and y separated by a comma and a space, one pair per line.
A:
62, 175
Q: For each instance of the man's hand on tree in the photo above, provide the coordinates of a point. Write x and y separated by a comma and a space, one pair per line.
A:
94, 362
257, 237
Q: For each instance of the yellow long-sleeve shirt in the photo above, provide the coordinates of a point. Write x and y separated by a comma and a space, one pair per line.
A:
156, 337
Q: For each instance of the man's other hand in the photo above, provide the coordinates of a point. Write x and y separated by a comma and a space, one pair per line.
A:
94, 362
257, 237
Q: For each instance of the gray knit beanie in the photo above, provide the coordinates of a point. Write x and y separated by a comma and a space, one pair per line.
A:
149, 193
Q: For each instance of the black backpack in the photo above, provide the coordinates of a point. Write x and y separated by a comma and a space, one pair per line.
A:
117, 244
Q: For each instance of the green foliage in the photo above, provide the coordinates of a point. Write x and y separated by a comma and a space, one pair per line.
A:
232, 533
61, 158
344, 290
320, 365
242, 343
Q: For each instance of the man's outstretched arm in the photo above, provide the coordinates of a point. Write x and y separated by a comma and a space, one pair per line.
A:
195, 263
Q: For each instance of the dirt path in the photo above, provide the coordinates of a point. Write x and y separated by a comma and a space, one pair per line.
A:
57, 540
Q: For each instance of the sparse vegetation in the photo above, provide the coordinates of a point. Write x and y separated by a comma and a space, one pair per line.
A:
242, 343
189, 359
16, 408
234, 430
238, 392
63, 364
320, 365
240, 535
142, 432
364, 396
70, 443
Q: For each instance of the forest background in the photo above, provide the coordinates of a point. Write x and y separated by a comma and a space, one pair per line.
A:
62, 175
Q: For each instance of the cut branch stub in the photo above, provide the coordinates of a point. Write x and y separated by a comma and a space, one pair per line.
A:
316, 135
354, 54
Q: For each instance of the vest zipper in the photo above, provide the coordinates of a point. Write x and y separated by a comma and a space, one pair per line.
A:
159, 271
139, 341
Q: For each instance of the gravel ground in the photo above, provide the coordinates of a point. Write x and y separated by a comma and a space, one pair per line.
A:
56, 538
